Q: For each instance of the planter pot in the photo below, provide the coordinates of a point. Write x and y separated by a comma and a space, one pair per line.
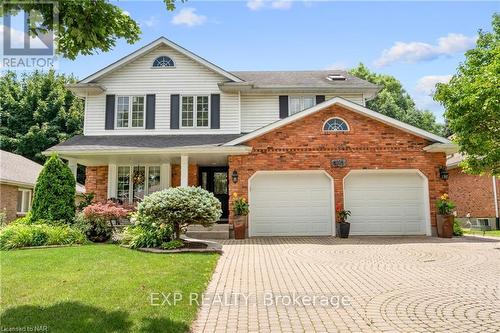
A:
445, 225
343, 229
240, 226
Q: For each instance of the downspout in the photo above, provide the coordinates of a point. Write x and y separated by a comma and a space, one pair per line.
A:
495, 197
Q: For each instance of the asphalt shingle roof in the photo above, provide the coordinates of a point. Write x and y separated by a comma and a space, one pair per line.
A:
110, 142
317, 79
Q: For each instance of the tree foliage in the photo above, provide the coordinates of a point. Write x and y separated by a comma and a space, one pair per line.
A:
84, 26
54, 197
395, 102
472, 103
37, 112
179, 206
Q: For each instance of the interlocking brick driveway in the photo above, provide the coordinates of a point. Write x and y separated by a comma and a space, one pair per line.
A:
411, 284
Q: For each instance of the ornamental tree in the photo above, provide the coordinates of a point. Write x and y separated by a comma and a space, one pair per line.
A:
178, 207
472, 104
54, 197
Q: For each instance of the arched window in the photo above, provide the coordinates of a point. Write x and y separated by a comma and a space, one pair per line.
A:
335, 125
163, 61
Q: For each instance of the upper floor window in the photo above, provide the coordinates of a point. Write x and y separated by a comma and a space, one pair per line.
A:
163, 61
299, 103
130, 111
195, 111
335, 125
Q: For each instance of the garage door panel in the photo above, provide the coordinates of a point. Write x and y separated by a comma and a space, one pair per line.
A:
289, 204
385, 203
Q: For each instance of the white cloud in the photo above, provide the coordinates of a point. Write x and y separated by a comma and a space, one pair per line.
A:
151, 22
187, 16
277, 4
427, 84
420, 51
255, 4
339, 65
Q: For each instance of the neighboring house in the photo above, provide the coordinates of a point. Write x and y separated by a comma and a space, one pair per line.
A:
478, 196
18, 176
296, 143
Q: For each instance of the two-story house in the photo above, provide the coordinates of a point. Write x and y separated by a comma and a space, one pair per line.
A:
295, 143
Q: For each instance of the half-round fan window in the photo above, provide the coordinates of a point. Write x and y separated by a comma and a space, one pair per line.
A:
335, 125
163, 61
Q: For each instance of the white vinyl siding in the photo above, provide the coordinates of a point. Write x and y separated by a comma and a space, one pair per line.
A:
139, 78
261, 110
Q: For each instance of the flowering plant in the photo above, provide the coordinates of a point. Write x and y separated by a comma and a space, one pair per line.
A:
342, 214
445, 205
240, 205
106, 211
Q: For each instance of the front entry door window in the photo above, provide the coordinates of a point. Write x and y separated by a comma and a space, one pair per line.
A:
214, 179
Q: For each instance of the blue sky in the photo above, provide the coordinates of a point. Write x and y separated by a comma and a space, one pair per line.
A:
417, 42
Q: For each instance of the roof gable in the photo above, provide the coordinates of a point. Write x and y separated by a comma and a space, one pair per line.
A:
145, 49
350, 106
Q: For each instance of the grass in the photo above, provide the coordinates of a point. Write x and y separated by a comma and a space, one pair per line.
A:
100, 288
494, 233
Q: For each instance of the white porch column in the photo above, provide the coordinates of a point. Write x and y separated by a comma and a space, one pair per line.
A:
184, 170
112, 179
165, 175
72, 166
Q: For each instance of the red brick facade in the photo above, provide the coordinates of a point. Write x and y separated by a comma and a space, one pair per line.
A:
369, 144
192, 175
472, 194
96, 180
8, 201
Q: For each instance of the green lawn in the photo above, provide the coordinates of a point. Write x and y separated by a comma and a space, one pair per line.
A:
494, 233
100, 288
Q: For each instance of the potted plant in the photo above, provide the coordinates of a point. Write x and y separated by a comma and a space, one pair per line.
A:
240, 210
342, 226
445, 217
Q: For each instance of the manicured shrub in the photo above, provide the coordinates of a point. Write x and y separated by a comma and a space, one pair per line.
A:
143, 236
23, 235
54, 197
97, 220
179, 207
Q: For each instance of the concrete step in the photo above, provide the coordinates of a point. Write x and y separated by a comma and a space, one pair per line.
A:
216, 231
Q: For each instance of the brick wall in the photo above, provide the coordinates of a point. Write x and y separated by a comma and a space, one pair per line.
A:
97, 181
192, 175
472, 194
369, 144
8, 201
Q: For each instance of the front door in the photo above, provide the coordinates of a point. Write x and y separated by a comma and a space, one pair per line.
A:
214, 179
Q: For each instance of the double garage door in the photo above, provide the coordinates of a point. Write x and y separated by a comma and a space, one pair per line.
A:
301, 203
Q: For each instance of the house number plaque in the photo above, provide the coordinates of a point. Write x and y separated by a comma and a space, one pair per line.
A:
339, 163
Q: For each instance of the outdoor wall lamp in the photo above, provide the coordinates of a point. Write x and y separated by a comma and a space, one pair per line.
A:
443, 173
234, 176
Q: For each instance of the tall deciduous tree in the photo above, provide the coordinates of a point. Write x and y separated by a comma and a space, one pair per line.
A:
37, 112
84, 26
472, 103
395, 102
54, 197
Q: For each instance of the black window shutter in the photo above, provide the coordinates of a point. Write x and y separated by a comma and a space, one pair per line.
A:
110, 112
283, 107
150, 111
215, 111
174, 111
320, 99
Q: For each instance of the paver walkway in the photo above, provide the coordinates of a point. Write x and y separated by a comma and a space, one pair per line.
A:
394, 284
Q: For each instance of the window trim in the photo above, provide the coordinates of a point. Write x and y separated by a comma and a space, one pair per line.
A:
131, 181
129, 127
313, 97
195, 115
163, 67
335, 131
30, 196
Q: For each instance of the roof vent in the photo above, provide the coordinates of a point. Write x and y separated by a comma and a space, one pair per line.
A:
336, 77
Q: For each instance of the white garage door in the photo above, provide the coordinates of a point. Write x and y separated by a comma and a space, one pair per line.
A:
386, 203
290, 204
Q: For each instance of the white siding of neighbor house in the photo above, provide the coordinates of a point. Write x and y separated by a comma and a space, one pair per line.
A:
139, 78
260, 110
